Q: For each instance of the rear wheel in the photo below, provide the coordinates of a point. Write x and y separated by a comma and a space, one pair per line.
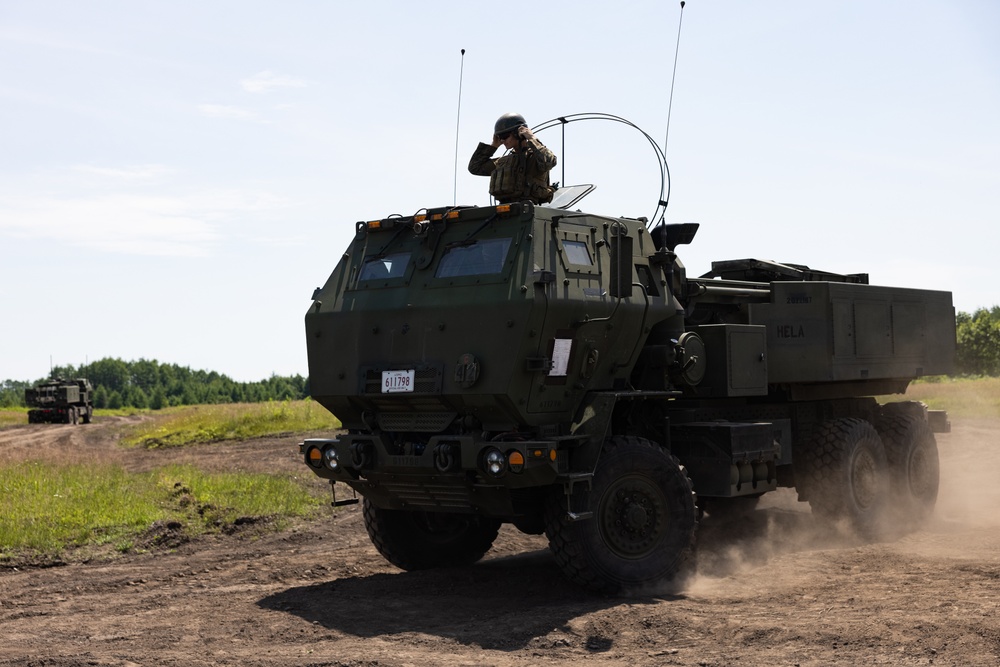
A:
912, 454
643, 526
71, 416
423, 540
845, 474
88, 413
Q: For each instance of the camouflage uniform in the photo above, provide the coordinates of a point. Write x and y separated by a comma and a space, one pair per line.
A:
521, 174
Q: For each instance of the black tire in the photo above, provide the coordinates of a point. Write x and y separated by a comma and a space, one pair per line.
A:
914, 468
88, 415
642, 532
846, 474
71, 416
424, 540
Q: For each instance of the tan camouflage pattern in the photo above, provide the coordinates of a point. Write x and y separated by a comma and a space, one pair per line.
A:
519, 175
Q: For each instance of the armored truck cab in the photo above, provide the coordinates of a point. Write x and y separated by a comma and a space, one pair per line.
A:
560, 371
60, 401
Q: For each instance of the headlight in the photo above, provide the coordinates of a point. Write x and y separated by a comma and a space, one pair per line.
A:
330, 459
494, 462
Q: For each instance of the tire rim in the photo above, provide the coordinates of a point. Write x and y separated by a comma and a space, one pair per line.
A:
633, 516
864, 480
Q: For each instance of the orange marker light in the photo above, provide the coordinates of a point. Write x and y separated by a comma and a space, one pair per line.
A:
315, 456
515, 461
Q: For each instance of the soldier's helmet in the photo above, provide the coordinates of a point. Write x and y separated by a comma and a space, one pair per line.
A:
508, 122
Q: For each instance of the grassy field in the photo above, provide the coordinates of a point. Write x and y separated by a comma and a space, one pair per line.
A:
47, 510
63, 512
209, 423
963, 397
176, 427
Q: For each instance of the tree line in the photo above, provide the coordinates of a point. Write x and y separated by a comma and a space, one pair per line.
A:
150, 384
978, 342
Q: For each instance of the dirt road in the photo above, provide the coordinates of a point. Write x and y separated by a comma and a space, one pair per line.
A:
773, 588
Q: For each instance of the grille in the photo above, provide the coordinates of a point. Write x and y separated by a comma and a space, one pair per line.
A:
431, 495
421, 422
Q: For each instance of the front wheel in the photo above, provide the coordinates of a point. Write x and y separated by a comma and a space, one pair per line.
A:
423, 540
644, 520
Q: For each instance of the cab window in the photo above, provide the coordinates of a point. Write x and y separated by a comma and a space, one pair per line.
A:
478, 258
384, 268
577, 253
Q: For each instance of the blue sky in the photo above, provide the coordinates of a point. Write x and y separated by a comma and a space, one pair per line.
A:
177, 177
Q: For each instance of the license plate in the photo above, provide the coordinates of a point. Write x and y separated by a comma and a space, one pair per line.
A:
396, 381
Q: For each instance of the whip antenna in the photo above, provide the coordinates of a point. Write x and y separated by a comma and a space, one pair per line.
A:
458, 119
673, 78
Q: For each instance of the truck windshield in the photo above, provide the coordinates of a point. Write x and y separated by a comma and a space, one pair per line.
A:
381, 268
478, 258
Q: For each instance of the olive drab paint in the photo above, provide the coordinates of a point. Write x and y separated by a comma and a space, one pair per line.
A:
560, 371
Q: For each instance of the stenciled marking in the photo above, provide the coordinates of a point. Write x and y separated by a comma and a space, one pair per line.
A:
791, 331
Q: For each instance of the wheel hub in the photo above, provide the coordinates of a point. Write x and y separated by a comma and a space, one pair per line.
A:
633, 517
922, 473
864, 480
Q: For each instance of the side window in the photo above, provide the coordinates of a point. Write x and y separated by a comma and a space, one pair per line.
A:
577, 252
576, 248
384, 268
479, 258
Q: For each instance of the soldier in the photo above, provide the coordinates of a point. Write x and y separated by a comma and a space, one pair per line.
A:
521, 174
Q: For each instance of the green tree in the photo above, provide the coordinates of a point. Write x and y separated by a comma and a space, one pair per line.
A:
113, 374
137, 398
114, 401
145, 374
978, 338
158, 400
101, 397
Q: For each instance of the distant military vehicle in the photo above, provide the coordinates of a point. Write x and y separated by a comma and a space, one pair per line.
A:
561, 372
62, 401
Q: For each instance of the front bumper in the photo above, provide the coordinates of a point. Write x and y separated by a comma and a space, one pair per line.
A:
448, 473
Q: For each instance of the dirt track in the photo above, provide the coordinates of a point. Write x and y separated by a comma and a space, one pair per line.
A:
773, 588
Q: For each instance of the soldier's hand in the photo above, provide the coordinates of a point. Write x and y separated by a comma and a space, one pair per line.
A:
496, 140
524, 133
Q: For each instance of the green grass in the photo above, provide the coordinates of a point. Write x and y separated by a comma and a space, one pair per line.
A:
48, 510
13, 416
961, 397
175, 427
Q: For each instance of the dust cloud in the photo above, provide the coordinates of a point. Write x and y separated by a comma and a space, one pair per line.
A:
734, 545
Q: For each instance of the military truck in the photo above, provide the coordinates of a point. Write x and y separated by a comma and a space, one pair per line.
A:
60, 401
560, 371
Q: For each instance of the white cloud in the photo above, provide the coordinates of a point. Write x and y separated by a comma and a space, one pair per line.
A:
130, 173
131, 209
130, 224
235, 113
266, 81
